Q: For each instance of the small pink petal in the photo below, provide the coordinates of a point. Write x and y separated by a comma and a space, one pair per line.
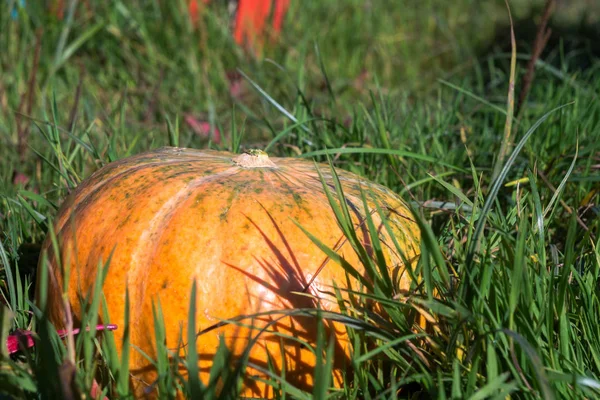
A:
235, 84
202, 128
20, 178
19, 336
96, 390
110, 327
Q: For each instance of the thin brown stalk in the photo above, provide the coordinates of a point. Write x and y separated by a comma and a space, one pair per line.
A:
513, 356
541, 39
73, 113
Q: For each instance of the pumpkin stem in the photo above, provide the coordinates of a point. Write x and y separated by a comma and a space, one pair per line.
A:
254, 159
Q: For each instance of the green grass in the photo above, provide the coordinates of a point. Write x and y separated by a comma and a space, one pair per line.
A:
406, 96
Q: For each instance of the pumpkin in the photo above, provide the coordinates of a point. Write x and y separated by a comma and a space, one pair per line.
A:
175, 216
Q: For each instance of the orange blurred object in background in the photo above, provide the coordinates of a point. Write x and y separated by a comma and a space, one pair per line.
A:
251, 22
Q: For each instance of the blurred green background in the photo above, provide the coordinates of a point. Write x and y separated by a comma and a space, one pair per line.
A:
147, 54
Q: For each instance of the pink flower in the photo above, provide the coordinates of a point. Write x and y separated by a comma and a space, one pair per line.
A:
26, 337
20, 178
202, 128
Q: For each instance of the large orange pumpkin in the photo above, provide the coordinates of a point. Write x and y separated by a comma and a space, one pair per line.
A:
174, 216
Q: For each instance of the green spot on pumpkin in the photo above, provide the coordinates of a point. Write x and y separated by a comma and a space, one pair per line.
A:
297, 198
124, 221
200, 198
223, 215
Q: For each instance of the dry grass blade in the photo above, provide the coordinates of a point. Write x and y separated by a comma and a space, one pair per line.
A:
510, 101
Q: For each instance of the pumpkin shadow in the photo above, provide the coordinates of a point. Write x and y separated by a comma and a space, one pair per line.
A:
286, 287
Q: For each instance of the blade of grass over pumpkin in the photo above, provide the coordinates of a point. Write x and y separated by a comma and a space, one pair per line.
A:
380, 262
90, 320
345, 220
348, 231
272, 367
278, 381
231, 380
355, 323
123, 378
322, 371
238, 322
194, 384
382, 299
430, 243
339, 207
219, 372
397, 247
365, 150
109, 345
160, 340
425, 270
334, 256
